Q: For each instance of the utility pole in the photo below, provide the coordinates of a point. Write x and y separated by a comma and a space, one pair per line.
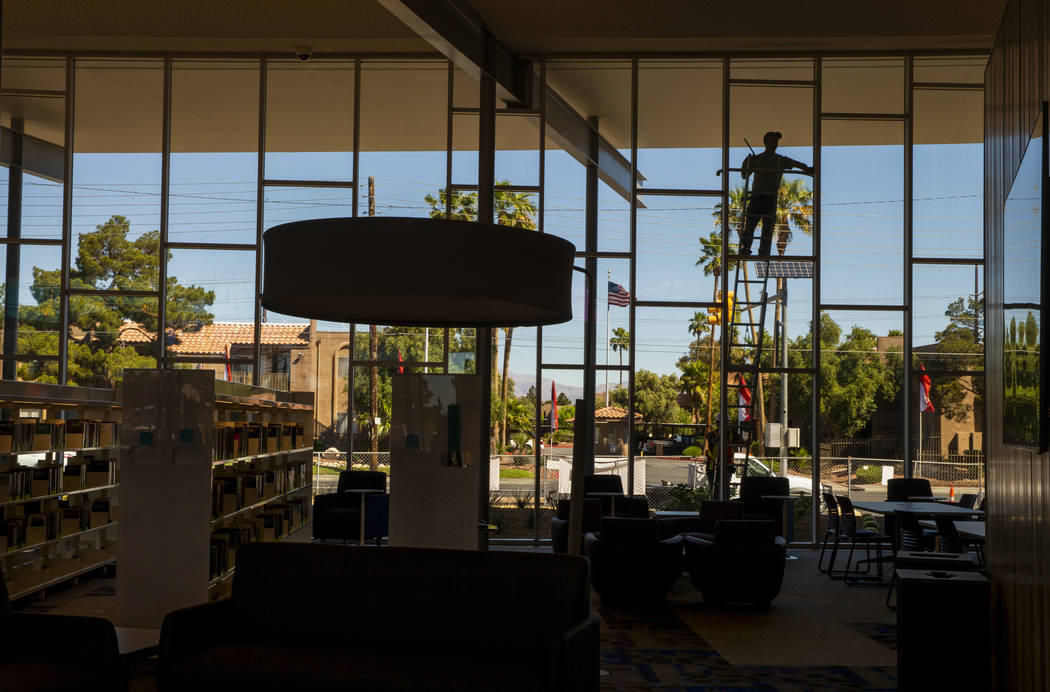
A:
373, 354
609, 278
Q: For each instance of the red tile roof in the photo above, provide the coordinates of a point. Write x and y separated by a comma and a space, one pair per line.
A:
606, 414
211, 339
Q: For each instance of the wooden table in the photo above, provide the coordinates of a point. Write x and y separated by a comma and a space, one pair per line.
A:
612, 504
966, 529
363, 492
137, 642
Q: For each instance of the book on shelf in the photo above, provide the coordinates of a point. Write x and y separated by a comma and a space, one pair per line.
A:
44, 481
72, 521
24, 433
255, 439
36, 529
100, 513
273, 437
73, 477
98, 472
7, 431
109, 433
83, 432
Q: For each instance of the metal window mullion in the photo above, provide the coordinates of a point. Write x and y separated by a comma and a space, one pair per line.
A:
67, 224
723, 448
259, 220
909, 315
177, 245
145, 293
537, 403
307, 183
165, 194
814, 394
355, 192
675, 192
632, 277
54, 242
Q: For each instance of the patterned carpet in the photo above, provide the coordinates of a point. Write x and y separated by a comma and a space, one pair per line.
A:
656, 650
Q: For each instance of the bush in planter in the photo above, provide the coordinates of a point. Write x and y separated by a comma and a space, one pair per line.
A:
871, 473
692, 451
683, 498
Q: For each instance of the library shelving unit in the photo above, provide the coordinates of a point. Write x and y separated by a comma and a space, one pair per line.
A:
59, 475
209, 466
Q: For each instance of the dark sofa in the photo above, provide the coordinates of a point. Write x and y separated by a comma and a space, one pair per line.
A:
327, 617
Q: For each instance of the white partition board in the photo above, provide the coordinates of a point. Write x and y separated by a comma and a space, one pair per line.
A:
432, 503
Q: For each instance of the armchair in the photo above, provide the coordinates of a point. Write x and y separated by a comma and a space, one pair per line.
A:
57, 652
338, 515
744, 563
629, 562
703, 524
752, 488
592, 519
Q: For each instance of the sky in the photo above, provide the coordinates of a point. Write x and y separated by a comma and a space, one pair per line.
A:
213, 200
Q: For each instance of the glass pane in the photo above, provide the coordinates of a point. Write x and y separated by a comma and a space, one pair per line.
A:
863, 370
214, 140
47, 74
948, 327
465, 90
517, 149
772, 69
680, 123
118, 332
117, 173
31, 295
563, 343
286, 204
967, 69
565, 189
600, 87
323, 92
40, 117
672, 264
41, 206
465, 149
862, 213
948, 440
948, 183
517, 209
215, 286
404, 125
862, 85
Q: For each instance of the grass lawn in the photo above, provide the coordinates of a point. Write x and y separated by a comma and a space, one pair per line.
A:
515, 473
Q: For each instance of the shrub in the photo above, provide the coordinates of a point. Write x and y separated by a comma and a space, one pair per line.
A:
683, 498
692, 451
868, 474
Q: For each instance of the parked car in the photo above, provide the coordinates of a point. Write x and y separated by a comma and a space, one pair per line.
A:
757, 467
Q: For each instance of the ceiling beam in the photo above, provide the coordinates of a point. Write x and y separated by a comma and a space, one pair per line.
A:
455, 30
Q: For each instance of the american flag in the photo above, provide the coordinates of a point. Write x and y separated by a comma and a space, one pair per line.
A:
618, 295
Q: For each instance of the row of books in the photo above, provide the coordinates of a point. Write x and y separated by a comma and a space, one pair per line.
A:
45, 520
240, 439
41, 435
24, 482
236, 487
276, 522
31, 574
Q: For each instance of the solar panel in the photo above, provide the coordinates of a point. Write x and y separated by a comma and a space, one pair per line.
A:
789, 269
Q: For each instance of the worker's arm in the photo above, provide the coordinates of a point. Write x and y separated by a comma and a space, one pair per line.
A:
745, 167
792, 163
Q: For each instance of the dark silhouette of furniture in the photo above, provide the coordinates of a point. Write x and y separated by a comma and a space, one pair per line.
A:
307, 616
592, 519
856, 536
923, 560
610, 487
40, 652
900, 489
752, 488
630, 564
743, 564
950, 541
703, 524
832, 532
968, 500
338, 515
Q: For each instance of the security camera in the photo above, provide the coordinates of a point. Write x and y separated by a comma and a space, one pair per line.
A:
304, 54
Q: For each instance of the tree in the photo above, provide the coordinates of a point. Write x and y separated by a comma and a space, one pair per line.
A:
960, 346
515, 209
620, 342
694, 375
98, 353
656, 397
711, 262
563, 400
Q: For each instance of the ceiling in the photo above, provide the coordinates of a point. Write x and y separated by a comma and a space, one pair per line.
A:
547, 25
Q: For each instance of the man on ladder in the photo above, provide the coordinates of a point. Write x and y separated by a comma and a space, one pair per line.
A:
768, 168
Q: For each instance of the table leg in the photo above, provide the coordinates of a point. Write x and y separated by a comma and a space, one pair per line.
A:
612, 506
361, 542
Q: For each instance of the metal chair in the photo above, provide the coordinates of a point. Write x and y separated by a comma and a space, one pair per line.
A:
857, 536
949, 540
968, 500
832, 532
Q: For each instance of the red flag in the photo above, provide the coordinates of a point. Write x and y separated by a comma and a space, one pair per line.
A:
229, 370
400, 370
924, 391
554, 408
744, 412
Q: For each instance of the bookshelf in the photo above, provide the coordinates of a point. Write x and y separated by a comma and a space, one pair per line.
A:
59, 481
209, 466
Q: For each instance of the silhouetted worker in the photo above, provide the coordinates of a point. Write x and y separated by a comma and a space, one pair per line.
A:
767, 169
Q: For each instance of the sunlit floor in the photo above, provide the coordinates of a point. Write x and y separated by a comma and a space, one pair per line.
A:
819, 634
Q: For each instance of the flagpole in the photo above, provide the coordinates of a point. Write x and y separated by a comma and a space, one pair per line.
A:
919, 474
609, 277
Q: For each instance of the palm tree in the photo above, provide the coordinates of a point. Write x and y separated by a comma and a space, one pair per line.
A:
515, 209
691, 384
620, 342
711, 261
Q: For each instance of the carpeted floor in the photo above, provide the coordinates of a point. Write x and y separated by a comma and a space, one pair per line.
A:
819, 635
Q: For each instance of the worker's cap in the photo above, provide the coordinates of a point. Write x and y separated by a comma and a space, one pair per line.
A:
773, 137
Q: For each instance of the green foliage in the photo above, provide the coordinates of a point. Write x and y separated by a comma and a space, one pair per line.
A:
563, 400
515, 473
656, 397
106, 260
683, 498
523, 501
692, 451
868, 474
